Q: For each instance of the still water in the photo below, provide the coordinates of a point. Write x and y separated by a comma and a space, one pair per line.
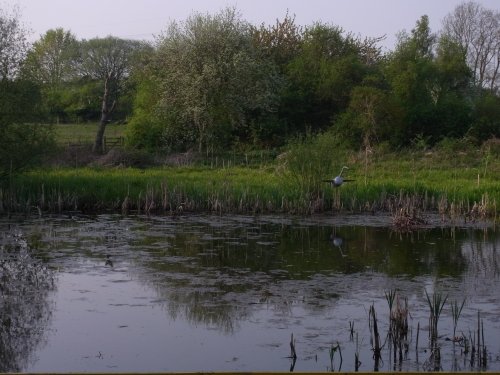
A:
211, 293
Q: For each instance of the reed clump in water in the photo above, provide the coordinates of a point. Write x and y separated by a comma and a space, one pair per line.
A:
398, 324
436, 304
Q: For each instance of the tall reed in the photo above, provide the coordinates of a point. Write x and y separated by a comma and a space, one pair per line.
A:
436, 304
456, 310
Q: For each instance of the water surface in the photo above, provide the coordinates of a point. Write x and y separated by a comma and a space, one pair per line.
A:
212, 293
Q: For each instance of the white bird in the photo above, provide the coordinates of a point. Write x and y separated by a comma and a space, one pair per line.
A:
339, 180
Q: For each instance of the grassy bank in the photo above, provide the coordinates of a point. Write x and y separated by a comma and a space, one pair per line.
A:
457, 185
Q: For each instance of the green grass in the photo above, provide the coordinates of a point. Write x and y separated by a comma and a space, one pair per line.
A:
84, 133
438, 182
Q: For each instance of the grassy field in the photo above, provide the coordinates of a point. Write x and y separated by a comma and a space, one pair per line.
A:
84, 133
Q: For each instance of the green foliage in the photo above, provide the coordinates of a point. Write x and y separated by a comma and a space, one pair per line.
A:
486, 117
22, 141
52, 59
411, 74
312, 159
280, 42
214, 82
51, 63
321, 77
433, 181
372, 117
144, 131
433, 89
212, 79
13, 43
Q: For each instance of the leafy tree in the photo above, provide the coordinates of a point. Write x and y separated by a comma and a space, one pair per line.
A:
486, 117
22, 141
321, 77
280, 42
452, 90
372, 117
13, 44
411, 74
145, 130
51, 63
212, 80
108, 61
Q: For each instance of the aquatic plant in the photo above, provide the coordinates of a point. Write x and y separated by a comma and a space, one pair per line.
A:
332, 351
374, 337
456, 310
406, 187
436, 304
399, 328
357, 362
293, 353
390, 297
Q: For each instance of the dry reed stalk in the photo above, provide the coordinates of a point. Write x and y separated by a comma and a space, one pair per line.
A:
375, 337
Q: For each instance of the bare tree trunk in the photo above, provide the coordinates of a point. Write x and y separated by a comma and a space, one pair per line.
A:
106, 111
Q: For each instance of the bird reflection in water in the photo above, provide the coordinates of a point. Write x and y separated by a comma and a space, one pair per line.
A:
338, 242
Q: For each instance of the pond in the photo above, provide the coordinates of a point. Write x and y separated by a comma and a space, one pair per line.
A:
226, 293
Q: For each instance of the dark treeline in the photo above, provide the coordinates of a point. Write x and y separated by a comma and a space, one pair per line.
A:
216, 82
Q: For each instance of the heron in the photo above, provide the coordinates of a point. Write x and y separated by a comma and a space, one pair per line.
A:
339, 180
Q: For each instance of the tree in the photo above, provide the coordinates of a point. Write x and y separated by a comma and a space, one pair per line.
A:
453, 89
280, 42
411, 74
321, 77
13, 44
212, 80
372, 117
108, 61
51, 63
477, 31
22, 140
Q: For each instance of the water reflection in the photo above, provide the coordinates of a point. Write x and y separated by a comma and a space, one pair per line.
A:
241, 285
338, 242
25, 286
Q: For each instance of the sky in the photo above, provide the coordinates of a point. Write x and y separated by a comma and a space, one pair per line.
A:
143, 19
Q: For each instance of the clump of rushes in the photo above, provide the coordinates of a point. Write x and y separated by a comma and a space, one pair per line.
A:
406, 213
436, 304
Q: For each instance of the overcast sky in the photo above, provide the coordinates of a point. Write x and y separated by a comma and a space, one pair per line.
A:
142, 19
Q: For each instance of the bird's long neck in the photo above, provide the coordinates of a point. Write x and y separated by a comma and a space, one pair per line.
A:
341, 171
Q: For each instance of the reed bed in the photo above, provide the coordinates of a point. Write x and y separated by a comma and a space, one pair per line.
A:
393, 186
